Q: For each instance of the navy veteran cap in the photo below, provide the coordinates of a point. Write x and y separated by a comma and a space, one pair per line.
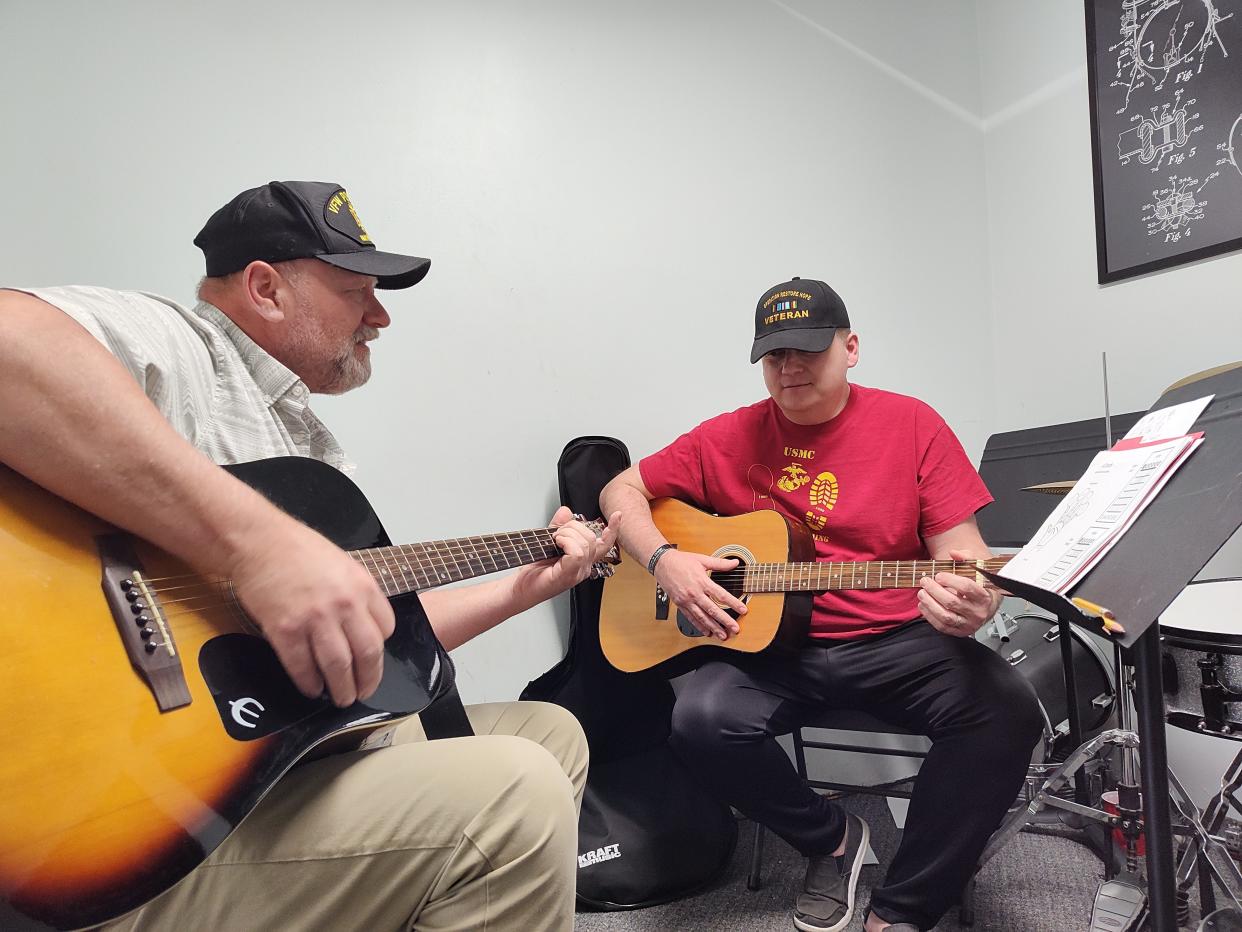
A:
285, 220
800, 314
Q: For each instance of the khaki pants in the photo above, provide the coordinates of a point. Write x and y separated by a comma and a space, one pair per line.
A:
462, 833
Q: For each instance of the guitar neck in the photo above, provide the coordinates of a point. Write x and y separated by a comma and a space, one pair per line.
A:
416, 567
876, 574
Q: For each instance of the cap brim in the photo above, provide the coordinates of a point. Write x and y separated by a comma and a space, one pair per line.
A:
391, 269
808, 340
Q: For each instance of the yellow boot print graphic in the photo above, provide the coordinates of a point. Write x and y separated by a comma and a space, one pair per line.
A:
823, 494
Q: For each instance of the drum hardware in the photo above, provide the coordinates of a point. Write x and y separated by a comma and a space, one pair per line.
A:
1214, 696
1223, 920
1001, 625
1120, 902
1206, 855
1201, 675
1117, 905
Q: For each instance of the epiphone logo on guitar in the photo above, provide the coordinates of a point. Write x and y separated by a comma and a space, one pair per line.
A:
242, 708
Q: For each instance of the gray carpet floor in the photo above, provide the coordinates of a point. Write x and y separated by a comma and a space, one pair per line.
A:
1036, 883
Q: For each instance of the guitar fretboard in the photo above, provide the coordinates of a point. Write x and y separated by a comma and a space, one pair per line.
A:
415, 567
876, 574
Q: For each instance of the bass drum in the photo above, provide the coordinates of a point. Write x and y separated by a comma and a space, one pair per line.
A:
1031, 642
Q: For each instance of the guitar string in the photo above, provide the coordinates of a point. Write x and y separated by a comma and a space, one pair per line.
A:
470, 560
217, 594
205, 590
466, 547
396, 560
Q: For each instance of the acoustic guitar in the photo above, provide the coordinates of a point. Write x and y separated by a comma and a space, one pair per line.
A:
143, 715
776, 578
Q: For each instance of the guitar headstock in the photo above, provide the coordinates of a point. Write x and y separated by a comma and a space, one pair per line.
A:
613, 556
602, 569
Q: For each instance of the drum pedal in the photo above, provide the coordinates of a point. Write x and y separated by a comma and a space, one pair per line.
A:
1118, 905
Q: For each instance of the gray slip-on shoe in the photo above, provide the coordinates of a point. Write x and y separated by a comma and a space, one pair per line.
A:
826, 903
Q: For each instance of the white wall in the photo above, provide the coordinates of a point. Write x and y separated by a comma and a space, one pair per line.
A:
604, 190
1050, 318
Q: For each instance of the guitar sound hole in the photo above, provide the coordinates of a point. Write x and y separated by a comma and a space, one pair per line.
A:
731, 582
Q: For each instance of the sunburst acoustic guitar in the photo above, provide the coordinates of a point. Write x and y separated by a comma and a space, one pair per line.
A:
143, 715
777, 576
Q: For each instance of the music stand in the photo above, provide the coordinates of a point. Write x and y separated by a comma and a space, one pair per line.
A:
1193, 516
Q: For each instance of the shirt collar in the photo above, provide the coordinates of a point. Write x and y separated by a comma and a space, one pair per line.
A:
274, 378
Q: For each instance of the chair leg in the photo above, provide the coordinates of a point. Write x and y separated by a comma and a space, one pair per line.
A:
966, 908
754, 880
799, 752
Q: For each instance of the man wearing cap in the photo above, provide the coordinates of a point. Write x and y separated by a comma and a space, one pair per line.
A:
105, 396
872, 475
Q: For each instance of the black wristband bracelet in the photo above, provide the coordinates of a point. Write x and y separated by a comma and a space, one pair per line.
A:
655, 556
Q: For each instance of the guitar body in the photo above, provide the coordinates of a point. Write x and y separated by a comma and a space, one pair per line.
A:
637, 631
108, 800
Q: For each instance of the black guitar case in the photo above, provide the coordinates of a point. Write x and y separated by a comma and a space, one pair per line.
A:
647, 834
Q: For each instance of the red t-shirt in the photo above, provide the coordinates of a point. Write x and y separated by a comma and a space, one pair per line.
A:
870, 484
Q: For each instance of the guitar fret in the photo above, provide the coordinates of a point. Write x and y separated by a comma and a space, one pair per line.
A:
443, 571
414, 562
478, 556
403, 565
498, 546
488, 552
522, 540
385, 570
374, 569
461, 559
393, 569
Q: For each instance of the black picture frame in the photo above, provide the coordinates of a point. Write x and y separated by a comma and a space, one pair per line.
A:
1164, 79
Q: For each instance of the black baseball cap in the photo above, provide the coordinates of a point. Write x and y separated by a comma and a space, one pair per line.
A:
285, 220
800, 314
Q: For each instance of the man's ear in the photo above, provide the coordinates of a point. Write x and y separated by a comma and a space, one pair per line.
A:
266, 290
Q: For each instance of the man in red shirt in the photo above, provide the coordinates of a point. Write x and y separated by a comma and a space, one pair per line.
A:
874, 476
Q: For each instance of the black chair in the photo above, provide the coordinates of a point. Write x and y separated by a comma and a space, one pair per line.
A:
866, 724
836, 720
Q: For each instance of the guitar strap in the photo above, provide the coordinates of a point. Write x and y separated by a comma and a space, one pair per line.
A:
446, 717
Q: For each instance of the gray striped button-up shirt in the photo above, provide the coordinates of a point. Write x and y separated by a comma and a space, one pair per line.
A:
215, 385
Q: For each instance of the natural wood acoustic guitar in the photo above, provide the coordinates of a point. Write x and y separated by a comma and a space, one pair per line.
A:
777, 576
143, 715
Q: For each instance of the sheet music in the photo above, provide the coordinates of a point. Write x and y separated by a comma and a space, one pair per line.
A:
1111, 494
1168, 422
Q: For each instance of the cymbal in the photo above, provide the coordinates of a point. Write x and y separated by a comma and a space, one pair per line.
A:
1190, 379
1051, 488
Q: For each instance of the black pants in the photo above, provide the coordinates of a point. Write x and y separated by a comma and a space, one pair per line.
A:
983, 719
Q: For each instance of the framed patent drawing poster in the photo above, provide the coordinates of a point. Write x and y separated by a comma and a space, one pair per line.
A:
1165, 80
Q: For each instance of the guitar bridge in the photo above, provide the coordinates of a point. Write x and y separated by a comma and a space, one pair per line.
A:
141, 622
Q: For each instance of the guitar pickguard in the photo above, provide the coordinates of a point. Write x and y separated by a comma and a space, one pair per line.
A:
252, 693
